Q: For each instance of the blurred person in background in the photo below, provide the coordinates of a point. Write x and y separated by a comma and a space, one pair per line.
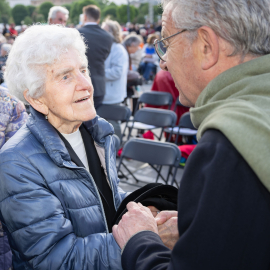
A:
143, 33
59, 185
99, 44
12, 30
116, 69
137, 56
58, 15
5, 30
132, 44
5, 49
12, 117
149, 58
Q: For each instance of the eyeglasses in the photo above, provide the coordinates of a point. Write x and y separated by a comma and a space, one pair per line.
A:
160, 46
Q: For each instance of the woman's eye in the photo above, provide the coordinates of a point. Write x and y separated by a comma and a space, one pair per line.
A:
65, 77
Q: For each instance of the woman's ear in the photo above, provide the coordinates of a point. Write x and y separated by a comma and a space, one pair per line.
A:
37, 104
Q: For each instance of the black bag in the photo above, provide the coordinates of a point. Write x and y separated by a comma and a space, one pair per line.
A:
163, 197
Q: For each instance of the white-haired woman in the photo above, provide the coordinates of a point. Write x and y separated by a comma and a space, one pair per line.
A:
116, 69
59, 186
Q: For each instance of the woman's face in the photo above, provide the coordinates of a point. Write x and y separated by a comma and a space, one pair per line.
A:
69, 93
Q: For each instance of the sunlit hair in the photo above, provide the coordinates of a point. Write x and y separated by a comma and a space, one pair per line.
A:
54, 10
151, 38
242, 23
114, 29
36, 48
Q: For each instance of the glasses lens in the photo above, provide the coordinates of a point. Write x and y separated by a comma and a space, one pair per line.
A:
160, 49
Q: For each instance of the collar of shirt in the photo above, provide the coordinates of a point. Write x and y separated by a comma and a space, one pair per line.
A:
90, 23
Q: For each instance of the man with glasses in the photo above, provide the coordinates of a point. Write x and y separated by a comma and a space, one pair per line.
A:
217, 52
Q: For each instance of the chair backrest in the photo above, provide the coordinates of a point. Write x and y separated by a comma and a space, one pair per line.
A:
185, 121
178, 103
156, 99
153, 152
156, 117
114, 112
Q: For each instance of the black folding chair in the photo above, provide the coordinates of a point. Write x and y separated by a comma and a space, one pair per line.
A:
156, 99
153, 153
177, 104
150, 118
184, 128
116, 113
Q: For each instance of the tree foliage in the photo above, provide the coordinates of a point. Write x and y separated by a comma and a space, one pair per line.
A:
19, 12
76, 9
4, 11
28, 20
110, 11
44, 9
122, 13
31, 10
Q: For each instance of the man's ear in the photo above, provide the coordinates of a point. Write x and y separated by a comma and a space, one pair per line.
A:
37, 104
208, 47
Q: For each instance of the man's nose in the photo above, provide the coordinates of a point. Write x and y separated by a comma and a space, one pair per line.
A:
163, 65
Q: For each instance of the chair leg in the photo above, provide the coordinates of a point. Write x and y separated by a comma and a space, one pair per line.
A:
173, 177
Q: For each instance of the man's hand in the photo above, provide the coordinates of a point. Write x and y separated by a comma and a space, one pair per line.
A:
163, 216
167, 228
138, 218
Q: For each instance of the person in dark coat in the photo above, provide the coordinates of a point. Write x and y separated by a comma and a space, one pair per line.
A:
223, 73
99, 44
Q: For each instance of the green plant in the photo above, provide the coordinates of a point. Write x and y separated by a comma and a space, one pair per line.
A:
44, 9
19, 12
27, 20
122, 13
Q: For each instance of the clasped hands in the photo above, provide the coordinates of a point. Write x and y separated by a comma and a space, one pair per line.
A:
140, 218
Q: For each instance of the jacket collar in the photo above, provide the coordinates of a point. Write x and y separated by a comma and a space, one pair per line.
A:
45, 133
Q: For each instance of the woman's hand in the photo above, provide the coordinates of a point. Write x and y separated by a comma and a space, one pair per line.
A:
154, 210
167, 227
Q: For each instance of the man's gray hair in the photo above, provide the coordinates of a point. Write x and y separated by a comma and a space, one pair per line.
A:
36, 48
243, 23
54, 10
132, 40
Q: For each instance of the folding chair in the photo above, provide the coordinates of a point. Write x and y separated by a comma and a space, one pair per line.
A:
150, 118
156, 99
152, 98
116, 113
153, 153
184, 128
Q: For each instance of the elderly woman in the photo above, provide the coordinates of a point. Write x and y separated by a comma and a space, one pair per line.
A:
59, 186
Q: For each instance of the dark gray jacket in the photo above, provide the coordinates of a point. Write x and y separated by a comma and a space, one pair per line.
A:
99, 44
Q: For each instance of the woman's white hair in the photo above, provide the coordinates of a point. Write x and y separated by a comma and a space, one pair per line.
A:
243, 23
33, 50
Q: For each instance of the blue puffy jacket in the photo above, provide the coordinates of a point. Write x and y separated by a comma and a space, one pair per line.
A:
50, 207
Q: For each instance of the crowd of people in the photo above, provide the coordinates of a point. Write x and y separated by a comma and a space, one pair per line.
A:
59, 185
